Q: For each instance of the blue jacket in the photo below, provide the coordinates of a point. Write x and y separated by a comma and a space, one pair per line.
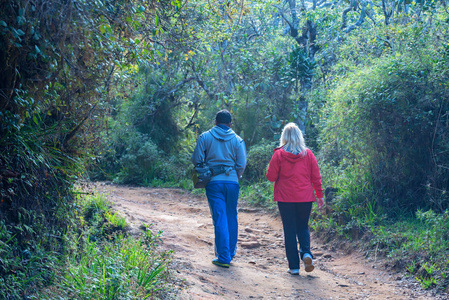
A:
221, 146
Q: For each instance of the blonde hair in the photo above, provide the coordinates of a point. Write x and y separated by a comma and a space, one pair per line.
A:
292, 140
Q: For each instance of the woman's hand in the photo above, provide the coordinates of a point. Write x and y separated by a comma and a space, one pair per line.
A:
320, 202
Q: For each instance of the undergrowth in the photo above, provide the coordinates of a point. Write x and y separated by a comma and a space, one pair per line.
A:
258, 194
94, 258
29, 254
417, 246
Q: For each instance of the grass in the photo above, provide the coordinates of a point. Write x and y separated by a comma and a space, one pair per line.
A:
126, 268
27, 259
416, 245
109, 264
93, 258
259, 194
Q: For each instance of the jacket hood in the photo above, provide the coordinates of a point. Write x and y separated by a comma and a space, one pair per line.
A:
222, 134
290, 157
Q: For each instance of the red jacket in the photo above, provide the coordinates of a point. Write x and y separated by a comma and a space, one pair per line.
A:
295, 177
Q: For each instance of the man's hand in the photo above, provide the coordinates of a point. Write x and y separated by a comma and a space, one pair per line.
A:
320, 202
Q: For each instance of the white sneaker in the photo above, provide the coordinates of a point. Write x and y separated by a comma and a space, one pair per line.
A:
307, 258
293, 271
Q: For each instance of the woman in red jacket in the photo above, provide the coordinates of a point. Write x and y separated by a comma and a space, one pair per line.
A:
295, 173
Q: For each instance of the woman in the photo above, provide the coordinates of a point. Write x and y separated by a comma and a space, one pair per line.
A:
295, 173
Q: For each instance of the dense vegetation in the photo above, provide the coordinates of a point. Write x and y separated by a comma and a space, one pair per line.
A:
119, 90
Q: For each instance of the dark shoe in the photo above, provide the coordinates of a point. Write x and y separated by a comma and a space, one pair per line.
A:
308, 262
293, 271
220, 264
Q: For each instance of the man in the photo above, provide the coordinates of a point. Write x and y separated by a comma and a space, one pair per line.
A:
224, 152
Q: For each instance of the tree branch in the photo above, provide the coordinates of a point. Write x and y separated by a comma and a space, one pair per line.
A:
200, 82
175, 89
360, 20
295, 20
72, 133
283, 17
387, 13
195, 113
344, 17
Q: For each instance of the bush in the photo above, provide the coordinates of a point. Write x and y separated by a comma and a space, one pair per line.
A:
124, 269
105, 263
258, 159
259, 194
27, 259
101, 222
141, 160
388, 121
131, 157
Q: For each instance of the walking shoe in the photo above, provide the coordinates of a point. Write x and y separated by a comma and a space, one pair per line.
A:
220, 264
293, 271
307, 258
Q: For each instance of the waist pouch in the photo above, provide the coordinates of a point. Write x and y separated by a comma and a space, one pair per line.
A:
217, 170
202, 174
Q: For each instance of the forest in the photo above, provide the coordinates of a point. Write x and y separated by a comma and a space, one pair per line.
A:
119, 91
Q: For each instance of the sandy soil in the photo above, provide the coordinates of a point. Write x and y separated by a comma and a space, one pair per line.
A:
259, 269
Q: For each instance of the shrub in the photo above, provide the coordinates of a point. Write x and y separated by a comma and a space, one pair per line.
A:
125, 269
259, 194
258, 158
28, 255
387, 120
105, 263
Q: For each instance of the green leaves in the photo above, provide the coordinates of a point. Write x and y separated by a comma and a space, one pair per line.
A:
176, 4
124, 268
300, 63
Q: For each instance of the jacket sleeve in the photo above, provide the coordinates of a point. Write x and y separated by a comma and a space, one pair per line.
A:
273, 168
316, 176
199, 154
240, 163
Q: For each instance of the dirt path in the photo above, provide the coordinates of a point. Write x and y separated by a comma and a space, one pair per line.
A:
259, 268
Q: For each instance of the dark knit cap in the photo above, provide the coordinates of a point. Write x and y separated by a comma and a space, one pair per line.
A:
223, 117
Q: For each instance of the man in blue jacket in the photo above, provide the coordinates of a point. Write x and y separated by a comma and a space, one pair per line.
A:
224, 152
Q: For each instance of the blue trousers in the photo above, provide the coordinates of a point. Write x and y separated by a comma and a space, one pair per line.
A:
295, 220
223, 198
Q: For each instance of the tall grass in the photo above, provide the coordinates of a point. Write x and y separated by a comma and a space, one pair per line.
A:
108, 263
417, 246
126, 268
27, 260
258, 194
94, 258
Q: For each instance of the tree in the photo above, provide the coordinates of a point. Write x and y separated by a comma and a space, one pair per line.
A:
60, 60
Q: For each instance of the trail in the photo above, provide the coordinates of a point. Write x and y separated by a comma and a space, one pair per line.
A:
259, 269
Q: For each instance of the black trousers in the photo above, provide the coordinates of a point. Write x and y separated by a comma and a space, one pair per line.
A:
295, 220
